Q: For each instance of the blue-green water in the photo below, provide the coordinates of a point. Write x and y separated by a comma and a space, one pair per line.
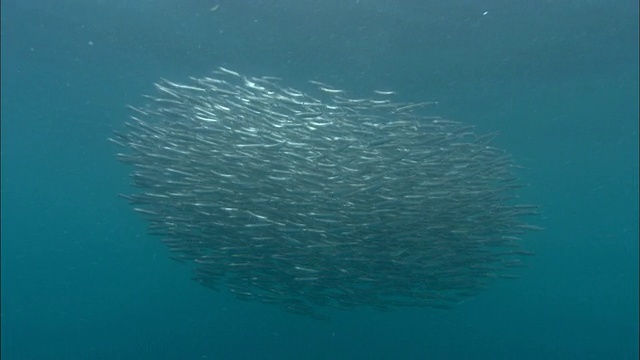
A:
557, 79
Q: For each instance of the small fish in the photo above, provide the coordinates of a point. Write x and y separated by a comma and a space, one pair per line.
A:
231, 72
381, 92
332, 91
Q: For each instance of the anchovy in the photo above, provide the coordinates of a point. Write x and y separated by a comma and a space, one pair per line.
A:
314, 200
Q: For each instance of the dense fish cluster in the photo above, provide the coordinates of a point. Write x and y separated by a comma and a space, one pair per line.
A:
322, 200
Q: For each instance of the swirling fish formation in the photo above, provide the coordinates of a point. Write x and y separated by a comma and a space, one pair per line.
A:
310, 201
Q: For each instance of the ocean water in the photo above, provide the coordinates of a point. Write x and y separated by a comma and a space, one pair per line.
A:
81, 279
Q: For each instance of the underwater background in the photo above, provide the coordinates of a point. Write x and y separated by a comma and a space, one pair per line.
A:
81, 279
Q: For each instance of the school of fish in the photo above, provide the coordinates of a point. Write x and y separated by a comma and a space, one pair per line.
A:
324, 200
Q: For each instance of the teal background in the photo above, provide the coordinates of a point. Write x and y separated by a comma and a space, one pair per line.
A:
557, 79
